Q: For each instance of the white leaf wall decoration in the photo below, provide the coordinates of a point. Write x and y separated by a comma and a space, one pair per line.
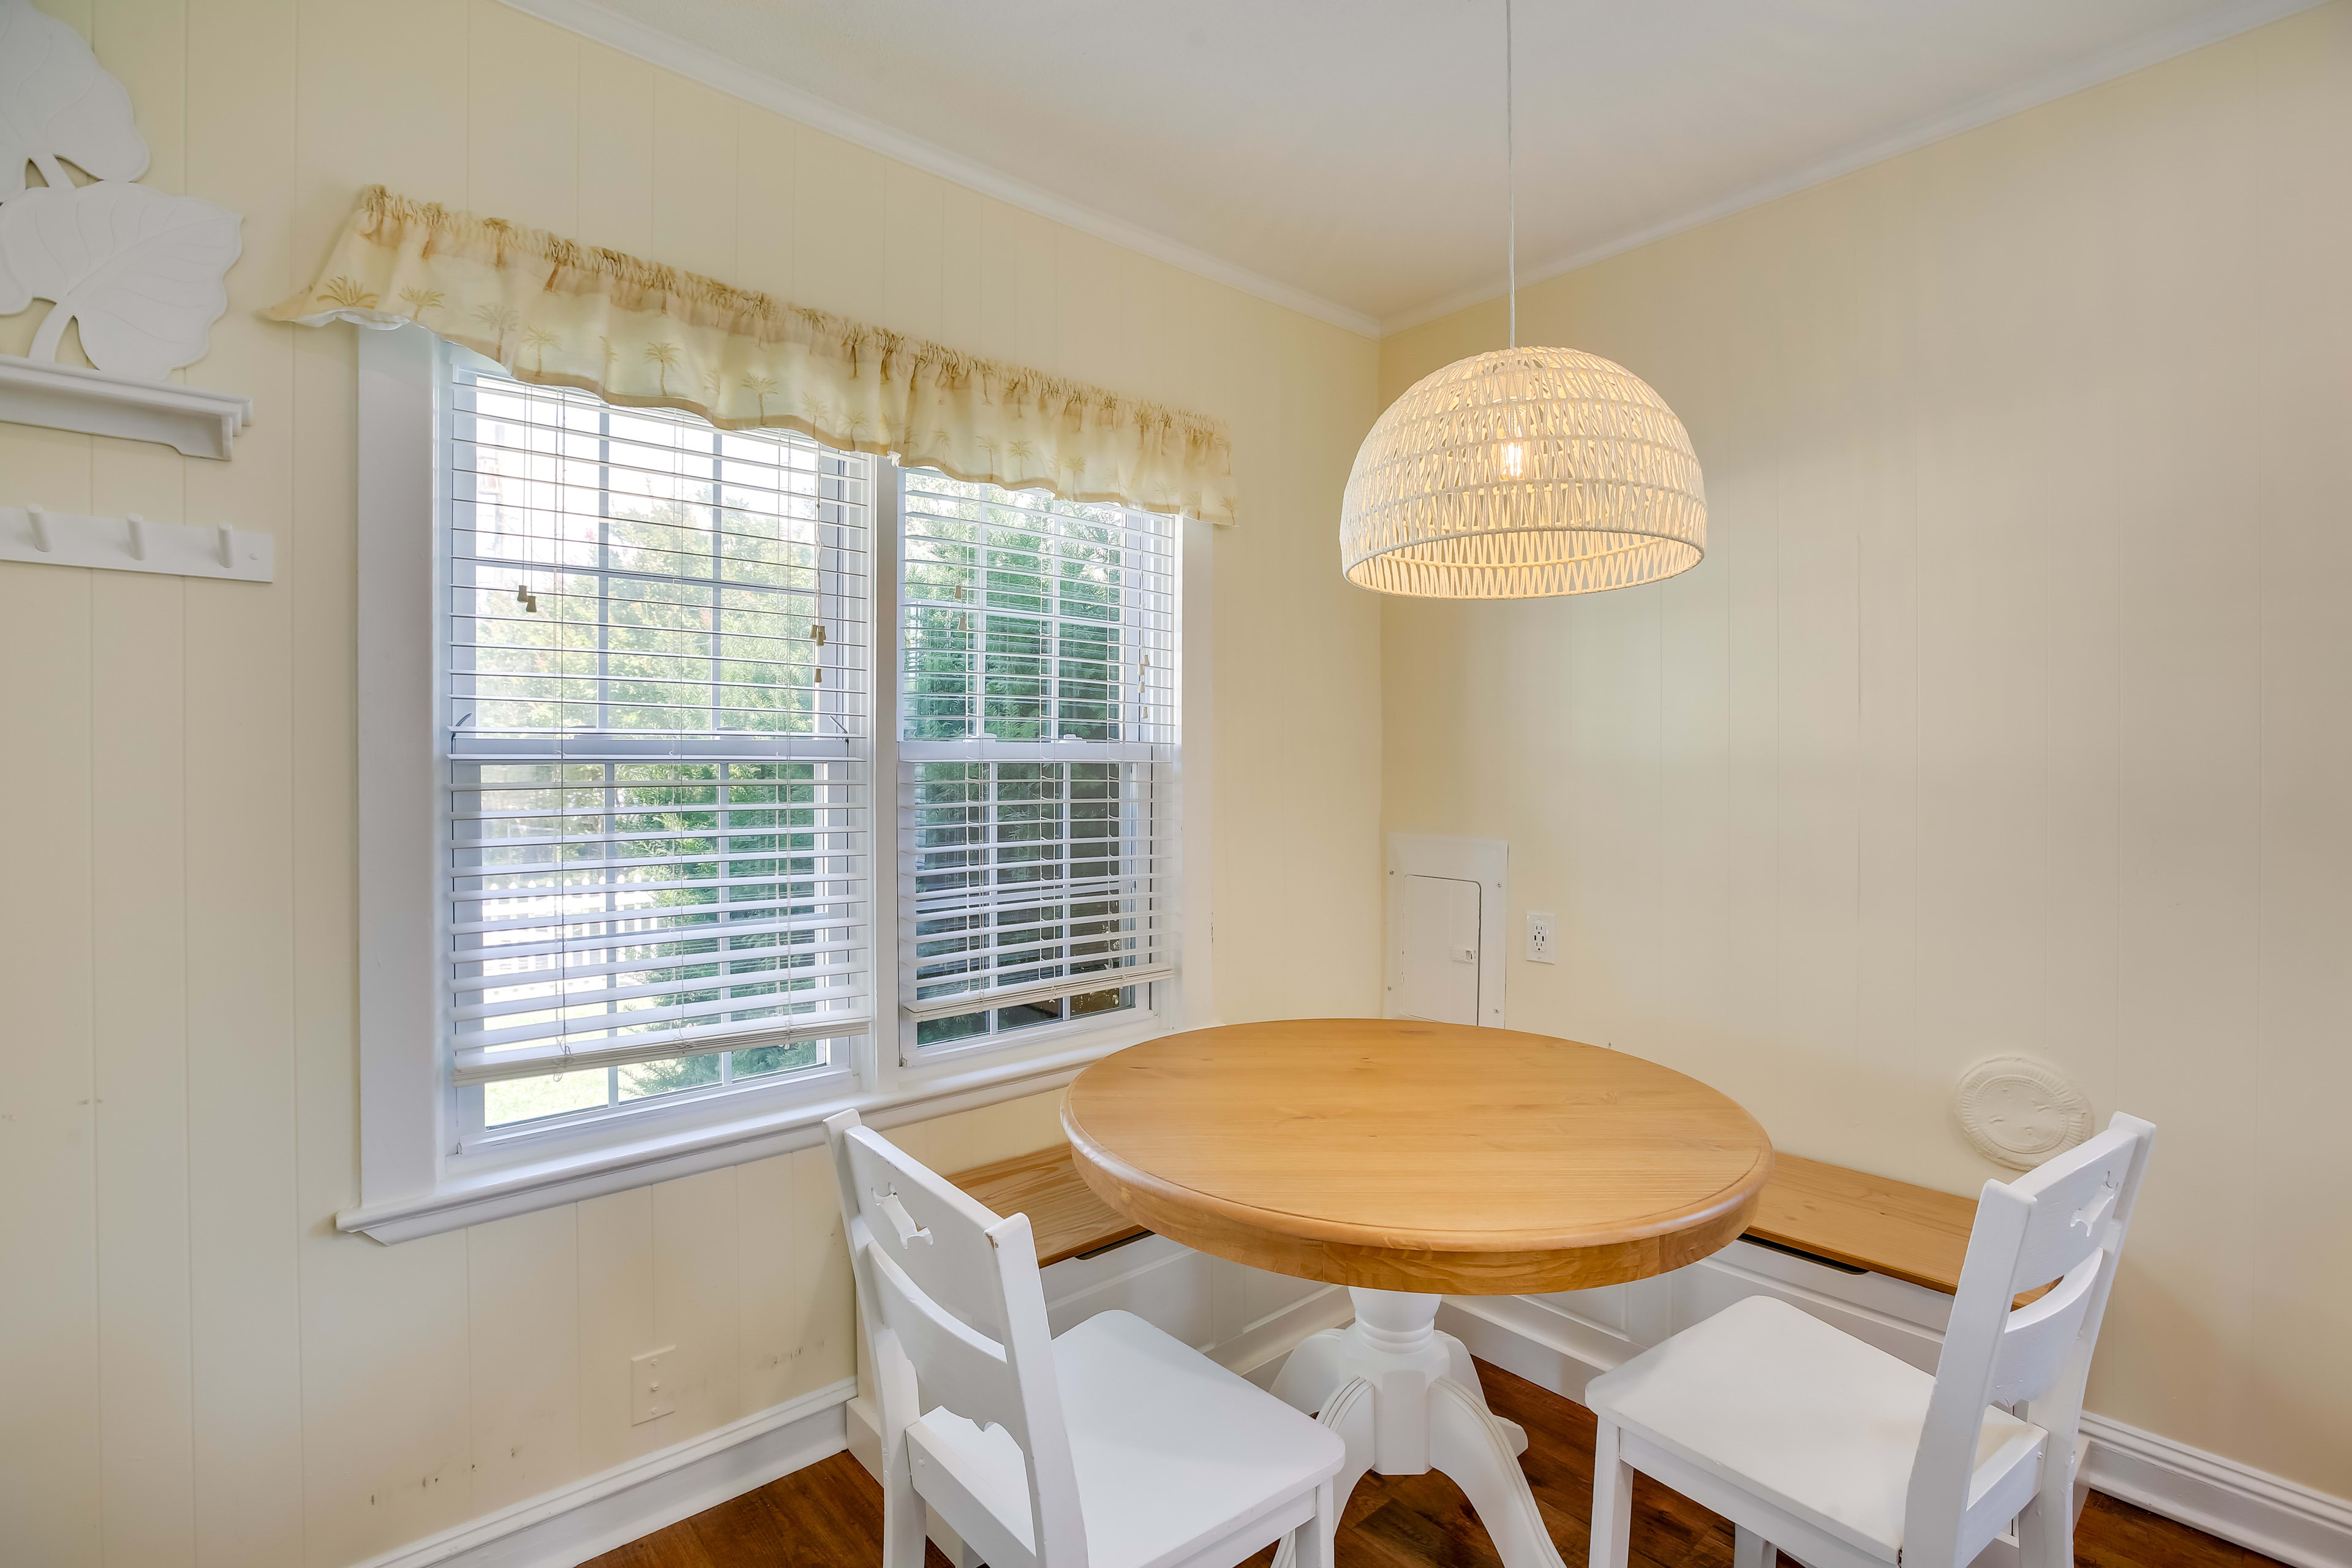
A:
142, 273
56, 101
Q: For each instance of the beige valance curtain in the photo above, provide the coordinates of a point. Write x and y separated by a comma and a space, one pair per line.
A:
641, 334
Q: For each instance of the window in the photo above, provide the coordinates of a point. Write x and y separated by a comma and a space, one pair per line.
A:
657, 761
713, 782
1037, 724
659, 754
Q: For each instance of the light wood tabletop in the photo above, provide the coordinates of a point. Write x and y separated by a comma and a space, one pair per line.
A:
1399, 1155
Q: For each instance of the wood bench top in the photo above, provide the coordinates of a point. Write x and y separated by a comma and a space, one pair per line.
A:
1864, 1222
1064, 1216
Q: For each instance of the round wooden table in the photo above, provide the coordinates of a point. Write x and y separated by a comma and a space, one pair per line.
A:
1407, 1160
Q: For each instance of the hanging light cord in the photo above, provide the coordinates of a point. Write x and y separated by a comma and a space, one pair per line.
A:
1510, 177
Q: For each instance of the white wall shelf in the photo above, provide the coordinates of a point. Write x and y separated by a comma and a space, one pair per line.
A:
195, 420
133, 544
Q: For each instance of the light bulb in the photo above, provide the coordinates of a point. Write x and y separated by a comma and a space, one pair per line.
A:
1515, 459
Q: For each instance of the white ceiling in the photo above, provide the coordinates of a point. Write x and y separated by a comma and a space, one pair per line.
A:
1347, 155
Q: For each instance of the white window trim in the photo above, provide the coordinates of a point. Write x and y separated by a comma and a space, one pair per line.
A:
410, 1185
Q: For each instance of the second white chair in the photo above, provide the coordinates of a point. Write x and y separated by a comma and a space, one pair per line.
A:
1809, 1440
1111, 1446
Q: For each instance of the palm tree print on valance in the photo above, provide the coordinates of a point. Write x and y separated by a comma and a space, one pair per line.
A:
640, 334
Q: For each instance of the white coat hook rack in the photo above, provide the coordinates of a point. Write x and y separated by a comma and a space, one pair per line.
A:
133, 544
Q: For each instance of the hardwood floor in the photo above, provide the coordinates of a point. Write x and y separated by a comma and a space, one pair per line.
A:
830, 1516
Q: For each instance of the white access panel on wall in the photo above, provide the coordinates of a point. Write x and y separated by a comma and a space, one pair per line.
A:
1444, 930
1439, 951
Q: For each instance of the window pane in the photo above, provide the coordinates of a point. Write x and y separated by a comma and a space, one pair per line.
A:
1027, 872
768, 1060
939, 1031
1025, 618
638, 573
1091, 1001
1038, 657
595, 903
1028, 1016
558, 1094
658, 738
641, 1080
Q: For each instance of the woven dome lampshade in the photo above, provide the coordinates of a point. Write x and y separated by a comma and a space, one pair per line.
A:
1523, 473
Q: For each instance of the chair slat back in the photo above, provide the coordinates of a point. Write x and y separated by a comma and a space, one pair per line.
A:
2077, 1197
954, 1365
936, 1233
2035, 1339
954, 1316
2065, 1221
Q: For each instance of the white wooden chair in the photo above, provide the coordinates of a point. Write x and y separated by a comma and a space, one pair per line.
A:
1111, 1446
1814, 1443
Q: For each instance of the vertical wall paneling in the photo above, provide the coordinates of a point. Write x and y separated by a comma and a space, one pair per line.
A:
143, 1395
1886, 1023
827, 199
999, 282
1089, 304
2189, 845
50, 1319
694, 176
615, 180
698, 1249
140, 1077
1036, 289
2006, 714
354, 64
913, 255
206, 1372
615, 1261
522, 1303
237, 669
522, 118
765, 209
960, 279
826, 1313
2305, 770
386, 1382
768, 1281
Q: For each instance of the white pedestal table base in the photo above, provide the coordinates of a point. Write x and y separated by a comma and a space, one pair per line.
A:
1406, 1400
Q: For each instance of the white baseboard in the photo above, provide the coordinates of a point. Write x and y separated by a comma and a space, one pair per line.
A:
2255, 1510
2249, 1507
572, 1524
2262, 1512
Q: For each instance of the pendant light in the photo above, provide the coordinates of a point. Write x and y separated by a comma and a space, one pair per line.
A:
1524, 472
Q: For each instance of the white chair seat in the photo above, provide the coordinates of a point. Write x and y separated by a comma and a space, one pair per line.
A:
1174, 1453
1786, 1407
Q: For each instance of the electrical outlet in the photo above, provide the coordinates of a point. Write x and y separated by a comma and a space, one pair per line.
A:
652, 1377
1542, 926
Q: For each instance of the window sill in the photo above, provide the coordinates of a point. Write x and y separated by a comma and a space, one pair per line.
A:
522, 1188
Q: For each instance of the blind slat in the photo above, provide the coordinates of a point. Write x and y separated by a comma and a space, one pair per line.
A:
475, 1066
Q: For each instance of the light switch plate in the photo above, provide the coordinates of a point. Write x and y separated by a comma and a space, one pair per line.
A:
651, 1379
1543, 936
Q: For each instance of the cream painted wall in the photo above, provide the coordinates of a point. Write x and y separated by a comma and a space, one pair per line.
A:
2011, 709
198, 1368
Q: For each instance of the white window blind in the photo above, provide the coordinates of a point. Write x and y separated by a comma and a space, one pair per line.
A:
1037, 724
659, 746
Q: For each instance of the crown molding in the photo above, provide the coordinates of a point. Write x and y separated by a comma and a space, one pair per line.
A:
757, 88
632, 38
2044, 88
